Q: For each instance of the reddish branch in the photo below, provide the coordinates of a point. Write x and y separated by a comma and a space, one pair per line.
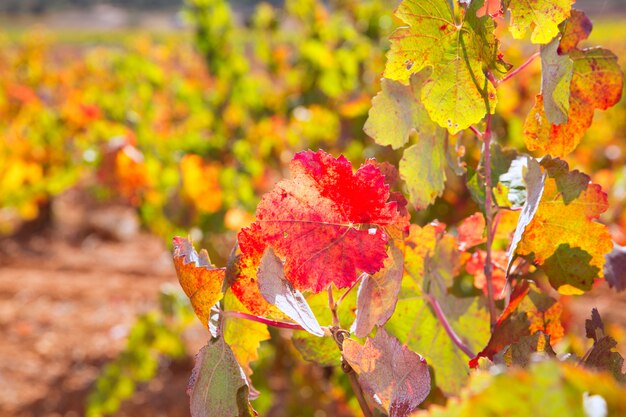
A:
446, 325
518, 69
489, 219
274, 323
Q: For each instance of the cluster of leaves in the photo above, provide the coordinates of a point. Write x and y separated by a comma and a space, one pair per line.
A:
425, 312
189, 137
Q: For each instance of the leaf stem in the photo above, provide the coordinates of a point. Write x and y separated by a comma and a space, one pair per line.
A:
477, 132
518, 69
274, 323
333, 307
359, 279
489, 218
358, 392
446, 325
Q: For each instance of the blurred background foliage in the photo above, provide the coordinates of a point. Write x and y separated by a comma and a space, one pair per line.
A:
190, 127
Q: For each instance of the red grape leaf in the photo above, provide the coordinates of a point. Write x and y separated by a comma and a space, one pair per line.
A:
218, 386
574, 30
492, 8
378, 294
476, 266
327, 222
471, 231
201, 281
279, 292
396, 378
245, 287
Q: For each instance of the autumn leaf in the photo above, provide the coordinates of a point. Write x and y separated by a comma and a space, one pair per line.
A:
596, 83
327, 222
201, 281
246, 287
563, 227
492, 8
475, 266
529, 311
278, 291
471, 231
457, 94
542, 17
217, 386
378, 294
396, 378
574, 30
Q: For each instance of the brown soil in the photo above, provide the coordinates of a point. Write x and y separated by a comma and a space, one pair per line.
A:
65, 310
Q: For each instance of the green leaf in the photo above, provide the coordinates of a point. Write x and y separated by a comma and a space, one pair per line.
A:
432, 261
542, 17
218, 386
397, 111
423, 169
457, 94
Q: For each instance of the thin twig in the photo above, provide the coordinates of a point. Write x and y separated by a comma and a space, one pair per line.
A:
350, 289
274, 323
358, 392
333, 307
489, 219
518, 69
446, 325
477, 132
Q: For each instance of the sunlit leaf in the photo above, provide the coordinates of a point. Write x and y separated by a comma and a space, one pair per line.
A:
542, 17
457, 94
201, 281
563, 227
596, 84
574, 30
327, 222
